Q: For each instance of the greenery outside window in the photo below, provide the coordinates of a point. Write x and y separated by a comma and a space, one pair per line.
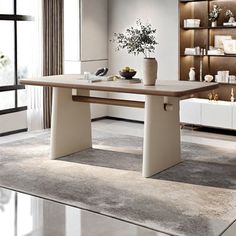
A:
15, 27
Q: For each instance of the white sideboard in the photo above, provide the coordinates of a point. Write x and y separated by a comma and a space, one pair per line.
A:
234, 117
218, 114
190, 111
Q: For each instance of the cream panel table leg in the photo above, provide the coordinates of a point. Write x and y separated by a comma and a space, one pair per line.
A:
71, 124
161, 135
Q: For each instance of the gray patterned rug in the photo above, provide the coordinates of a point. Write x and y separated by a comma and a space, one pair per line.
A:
196, 197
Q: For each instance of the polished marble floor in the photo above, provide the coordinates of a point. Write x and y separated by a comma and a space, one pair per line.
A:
26, 215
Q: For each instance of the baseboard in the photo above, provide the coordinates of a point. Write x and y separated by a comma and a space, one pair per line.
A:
99, 118
13, 132
217, 130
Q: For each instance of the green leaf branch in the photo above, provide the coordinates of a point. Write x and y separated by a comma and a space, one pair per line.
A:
136, 40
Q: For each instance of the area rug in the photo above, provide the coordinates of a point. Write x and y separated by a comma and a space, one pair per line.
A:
196, 197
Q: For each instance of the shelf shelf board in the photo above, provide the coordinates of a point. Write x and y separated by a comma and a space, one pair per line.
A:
194, 28
228, 55
220, 83
185, 55
227, 83
209, 27
186, 1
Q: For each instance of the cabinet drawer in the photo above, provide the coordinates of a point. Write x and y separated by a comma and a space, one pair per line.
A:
190, 112
234, 117
217, 115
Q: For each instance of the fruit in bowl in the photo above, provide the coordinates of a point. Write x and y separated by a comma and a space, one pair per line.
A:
127, 73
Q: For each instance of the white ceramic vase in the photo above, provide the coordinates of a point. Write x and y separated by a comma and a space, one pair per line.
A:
149, 71
214, 24
192, 74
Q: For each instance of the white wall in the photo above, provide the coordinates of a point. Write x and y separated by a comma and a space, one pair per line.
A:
97, 111
163, 15
86, 34
72, 30
94, 48
89, 48
94, 30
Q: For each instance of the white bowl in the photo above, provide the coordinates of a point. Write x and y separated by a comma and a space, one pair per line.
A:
208, 78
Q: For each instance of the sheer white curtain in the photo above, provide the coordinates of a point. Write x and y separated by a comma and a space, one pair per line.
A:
35, 94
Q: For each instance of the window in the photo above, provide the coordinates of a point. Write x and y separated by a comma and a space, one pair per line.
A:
16, 25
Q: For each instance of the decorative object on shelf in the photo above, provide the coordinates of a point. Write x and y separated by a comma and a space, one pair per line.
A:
232, 79
214, 24
192, 74
208, 78
229, 24
213, 96
230, 46
215, 51
216, 97
210, 96
231, 19
190, 51
214, 15
195, 51
127, 73
232, 99
140, 40
201, 69
231, 16
219, 39
203, 51
192, 23
222, 76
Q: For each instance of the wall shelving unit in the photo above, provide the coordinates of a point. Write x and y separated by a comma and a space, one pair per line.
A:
203, 37
199, 110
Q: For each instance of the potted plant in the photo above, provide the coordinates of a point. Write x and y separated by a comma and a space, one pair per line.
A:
140, 40
214, 15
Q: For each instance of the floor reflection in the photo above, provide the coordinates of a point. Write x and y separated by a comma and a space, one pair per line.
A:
5, 196
25, 215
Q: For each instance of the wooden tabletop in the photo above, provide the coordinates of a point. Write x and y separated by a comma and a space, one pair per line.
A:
162, 87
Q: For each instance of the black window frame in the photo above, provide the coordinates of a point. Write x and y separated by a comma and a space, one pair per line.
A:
14, 18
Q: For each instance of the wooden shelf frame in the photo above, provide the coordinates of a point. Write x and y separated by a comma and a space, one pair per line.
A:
187, 1
203, 36
209, 27
226, 55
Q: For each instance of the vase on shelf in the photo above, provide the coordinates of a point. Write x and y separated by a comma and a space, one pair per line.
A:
192, 74
214, 24
149, 71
